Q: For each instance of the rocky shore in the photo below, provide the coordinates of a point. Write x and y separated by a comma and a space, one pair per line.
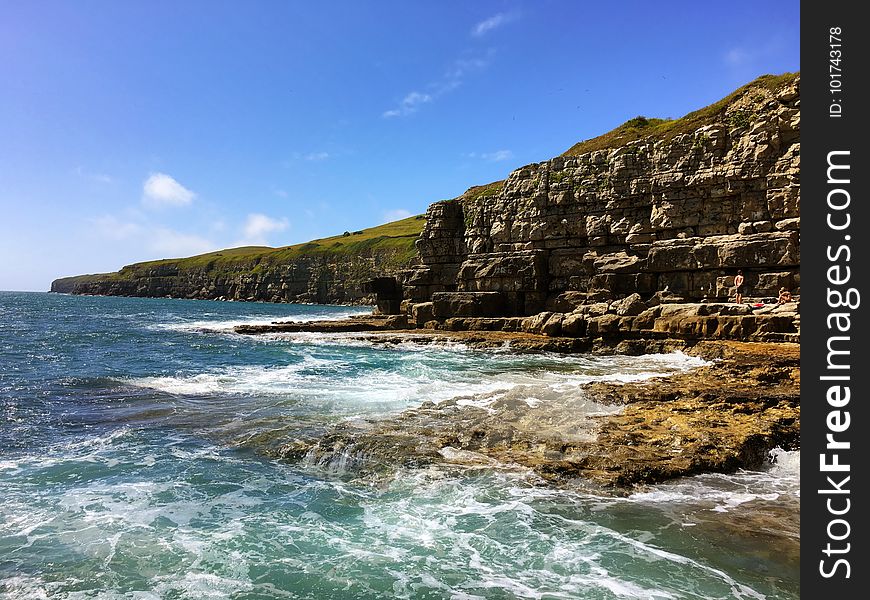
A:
630, 242
720, 417
628, 323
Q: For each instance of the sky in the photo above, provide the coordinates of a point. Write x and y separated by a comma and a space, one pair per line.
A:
150, 129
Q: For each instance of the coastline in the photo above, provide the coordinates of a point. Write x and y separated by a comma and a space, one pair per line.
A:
717, 418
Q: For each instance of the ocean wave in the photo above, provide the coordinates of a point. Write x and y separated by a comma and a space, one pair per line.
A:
350, 383
440, 531
223, 325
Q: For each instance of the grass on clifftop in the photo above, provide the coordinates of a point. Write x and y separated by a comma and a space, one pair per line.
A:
664, 129
397, 237
656, 129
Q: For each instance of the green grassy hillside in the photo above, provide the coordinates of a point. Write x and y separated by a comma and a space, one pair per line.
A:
394, 242
398, 236
664, 129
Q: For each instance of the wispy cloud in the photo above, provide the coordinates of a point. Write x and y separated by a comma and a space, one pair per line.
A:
113, 228
97, 177
396, 214
409, 105
456, 72
464, 66
317, 156
493, 22
747, 58
497, 156
170, 243
161, 190
158, 240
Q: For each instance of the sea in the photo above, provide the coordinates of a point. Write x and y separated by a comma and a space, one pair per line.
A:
137, 461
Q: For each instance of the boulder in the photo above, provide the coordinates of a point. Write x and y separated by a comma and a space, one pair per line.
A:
535, 323
628, 306
421, 313
574, 325
553, 326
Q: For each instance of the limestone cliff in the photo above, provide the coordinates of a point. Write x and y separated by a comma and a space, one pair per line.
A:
674, 207
658, 208
328, 271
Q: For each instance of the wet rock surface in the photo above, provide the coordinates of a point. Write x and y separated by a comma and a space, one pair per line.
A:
717, 418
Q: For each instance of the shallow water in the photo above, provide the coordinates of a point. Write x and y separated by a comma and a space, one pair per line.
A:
132, 466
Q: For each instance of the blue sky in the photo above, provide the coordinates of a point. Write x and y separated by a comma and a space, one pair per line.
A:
148, 129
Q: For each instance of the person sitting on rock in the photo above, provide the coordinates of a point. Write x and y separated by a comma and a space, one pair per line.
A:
738, 287
784, 296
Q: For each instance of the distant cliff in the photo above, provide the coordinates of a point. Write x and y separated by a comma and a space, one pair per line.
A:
330, 270
670, 206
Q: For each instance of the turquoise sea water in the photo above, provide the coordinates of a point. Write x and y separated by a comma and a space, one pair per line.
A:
133, 464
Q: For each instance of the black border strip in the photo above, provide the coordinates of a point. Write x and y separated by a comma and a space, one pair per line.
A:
834, 252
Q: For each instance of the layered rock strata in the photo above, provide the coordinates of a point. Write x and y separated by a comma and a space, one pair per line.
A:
679, 215
622, 321
321, 279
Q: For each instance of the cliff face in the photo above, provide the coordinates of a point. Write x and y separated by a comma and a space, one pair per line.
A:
657, 208
677, 211
329, 271
320, 279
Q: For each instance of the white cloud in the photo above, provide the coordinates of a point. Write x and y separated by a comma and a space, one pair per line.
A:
259, 224
497, 156
409, 105
172, 244
750, 57
162, 190
494, 22
452, 78
309, 156
257, 229
396, 215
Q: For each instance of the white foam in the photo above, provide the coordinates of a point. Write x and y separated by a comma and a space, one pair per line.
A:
24, 587
330, 381
438, 519
223, 325
496, 532
784, 463
238, 380
724, 492
205, 585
